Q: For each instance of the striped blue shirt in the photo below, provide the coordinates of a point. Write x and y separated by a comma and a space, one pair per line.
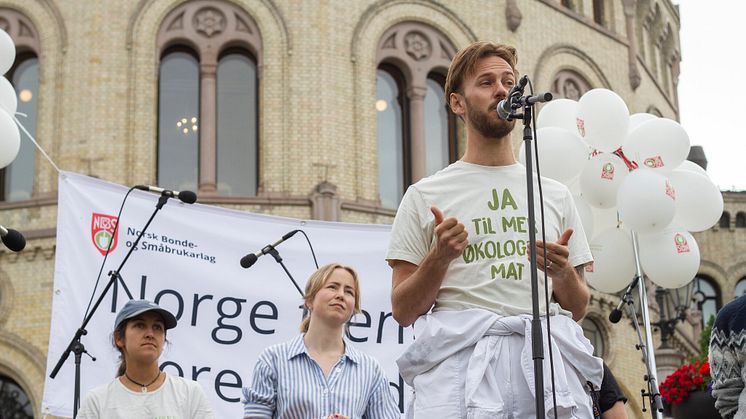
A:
288, 383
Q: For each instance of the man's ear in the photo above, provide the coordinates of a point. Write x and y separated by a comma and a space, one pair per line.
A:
456, 102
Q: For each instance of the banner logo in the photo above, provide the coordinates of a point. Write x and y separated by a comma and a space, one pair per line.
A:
102, 232
653, 162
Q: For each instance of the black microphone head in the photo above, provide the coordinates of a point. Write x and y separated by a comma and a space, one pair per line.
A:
187, 197
248, 260
14, 240
615, 315
289, 235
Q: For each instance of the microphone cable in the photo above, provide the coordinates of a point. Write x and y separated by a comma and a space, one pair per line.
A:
106, 255
316, 262
544, 240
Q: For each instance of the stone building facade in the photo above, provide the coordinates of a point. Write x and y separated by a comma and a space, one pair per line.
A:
315, 149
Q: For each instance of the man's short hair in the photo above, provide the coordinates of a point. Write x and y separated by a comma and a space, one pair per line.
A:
465, 62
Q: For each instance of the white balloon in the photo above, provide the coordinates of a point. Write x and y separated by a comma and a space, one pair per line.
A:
699, 203
660, 144
603, 119
669, 258
613, 265
586, 216
8, 98
646, 201
10, 139
601, 178
692, 167
604, 219
636, 119
562, 154
559, 113
7, 52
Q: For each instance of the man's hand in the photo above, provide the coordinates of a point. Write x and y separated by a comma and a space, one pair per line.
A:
558, 254
452, 237
569, 289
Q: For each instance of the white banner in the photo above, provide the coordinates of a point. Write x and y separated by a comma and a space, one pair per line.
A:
188, 262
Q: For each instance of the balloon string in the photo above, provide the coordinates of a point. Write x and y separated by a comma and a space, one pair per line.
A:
31, 137
631, 165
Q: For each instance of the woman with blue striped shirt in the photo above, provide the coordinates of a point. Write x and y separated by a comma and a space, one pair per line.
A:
318, 374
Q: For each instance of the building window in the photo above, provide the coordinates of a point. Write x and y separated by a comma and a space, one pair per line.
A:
416, 132
707, 296
208, 135
393, 170
17, 179
724, 220
741, 220
592, 330
599, 12
178, 121
14, 403
237, 129
741, 287
569, 85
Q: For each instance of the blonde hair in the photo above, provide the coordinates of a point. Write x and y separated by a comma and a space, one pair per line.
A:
317, 281
465, 62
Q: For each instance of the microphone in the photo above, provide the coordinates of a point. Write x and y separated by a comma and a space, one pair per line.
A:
12, 239
187, 197
251, 258
505, 106
616, 314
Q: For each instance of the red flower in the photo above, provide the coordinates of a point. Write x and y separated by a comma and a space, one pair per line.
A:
689, 377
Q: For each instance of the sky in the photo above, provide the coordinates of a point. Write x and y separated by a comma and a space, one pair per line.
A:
712, 85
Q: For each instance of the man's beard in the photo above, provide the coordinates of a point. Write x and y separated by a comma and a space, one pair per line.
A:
487, 123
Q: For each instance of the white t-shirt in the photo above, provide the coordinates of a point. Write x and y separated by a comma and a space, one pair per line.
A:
493, 272
177, 398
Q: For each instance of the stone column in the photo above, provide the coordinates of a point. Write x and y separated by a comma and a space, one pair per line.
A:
208, 126
325, 203
416, 96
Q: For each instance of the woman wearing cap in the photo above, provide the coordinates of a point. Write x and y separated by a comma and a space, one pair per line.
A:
141, 389
318, 374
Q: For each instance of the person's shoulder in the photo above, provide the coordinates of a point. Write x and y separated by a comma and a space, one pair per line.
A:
283, 350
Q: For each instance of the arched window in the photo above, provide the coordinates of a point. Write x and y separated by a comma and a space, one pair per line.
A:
178, 121
740, 287
391, 105
593, 331
14, 403
569, 84
417, 133
17, 180
724, 220
741, 219
707, 296
208, 136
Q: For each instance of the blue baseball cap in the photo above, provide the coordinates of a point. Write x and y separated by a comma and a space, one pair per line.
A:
134, 308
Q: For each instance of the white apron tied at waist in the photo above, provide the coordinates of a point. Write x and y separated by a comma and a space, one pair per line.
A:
442, 334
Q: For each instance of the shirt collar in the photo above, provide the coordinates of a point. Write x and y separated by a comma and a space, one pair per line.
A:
298, 347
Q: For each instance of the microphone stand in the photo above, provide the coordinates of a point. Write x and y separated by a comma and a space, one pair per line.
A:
646, 346
537, 339
275, 254
76, 346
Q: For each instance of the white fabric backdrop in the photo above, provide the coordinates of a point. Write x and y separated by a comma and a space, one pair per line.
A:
188, 262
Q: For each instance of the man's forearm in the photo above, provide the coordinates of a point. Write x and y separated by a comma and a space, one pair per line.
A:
572, 293
416, 288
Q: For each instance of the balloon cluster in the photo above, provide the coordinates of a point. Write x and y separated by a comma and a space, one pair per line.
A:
628, 173
10, 137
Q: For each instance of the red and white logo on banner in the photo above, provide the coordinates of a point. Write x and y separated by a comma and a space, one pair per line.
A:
102, 232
